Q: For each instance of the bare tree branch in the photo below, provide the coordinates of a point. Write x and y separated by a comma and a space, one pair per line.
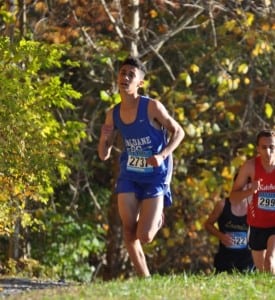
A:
112, 19
212, 23
84, 32
157, 45
87, 185
168, 68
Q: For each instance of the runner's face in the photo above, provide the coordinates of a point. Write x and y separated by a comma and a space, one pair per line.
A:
266, 149
129, 79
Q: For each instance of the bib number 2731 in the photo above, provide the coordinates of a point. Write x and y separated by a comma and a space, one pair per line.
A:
138, 163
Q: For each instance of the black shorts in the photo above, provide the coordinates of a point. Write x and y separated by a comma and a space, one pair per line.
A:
258, 237
233, 260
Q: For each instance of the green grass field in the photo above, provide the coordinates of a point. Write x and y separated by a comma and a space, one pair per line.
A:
173, 287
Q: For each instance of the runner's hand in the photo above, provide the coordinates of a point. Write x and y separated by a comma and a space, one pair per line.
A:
155, 160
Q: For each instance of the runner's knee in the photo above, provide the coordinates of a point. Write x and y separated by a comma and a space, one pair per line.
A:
129, 234
145, 236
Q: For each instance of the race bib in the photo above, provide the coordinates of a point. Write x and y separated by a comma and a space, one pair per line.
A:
266, 201
137, 162
239, 240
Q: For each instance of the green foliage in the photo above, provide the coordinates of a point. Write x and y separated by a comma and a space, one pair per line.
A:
212, 65
36, 142
71, 245
24, 267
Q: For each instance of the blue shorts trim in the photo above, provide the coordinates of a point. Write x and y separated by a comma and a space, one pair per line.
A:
145, 190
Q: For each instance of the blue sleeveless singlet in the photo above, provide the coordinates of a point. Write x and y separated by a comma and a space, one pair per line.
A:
142, 140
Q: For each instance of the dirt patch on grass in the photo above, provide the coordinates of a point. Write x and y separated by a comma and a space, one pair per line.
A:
14, 286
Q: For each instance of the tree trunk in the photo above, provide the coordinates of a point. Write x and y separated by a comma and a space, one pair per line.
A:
22, 17
135, 27
9, 31
14, 242
115, 250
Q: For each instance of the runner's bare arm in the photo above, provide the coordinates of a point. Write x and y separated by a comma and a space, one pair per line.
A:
107, 136
245, 174
160, 116
212, 219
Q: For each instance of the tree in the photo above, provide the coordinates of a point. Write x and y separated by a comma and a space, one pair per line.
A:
37, 144
210, 62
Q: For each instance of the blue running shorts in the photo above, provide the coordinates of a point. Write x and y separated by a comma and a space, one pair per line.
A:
145, 190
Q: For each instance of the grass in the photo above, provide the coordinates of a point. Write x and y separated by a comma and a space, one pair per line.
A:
194, 287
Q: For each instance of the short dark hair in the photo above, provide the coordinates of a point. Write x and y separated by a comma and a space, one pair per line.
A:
265, 133
134, 61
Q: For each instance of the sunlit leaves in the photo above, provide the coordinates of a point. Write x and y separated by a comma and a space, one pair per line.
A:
227, 84
248, 19
7, 16
104, 96
186, 78
194, 68
153, 13
230, 116
230, 25
220, 105
246, 81
202, 107
243, 68
190, 130
112, 99
268, 110
36, 140
244, 152
261, 48
180, 114
107, 44
64, 171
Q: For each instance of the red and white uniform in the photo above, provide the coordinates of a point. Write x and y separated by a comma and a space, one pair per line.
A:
261, 210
